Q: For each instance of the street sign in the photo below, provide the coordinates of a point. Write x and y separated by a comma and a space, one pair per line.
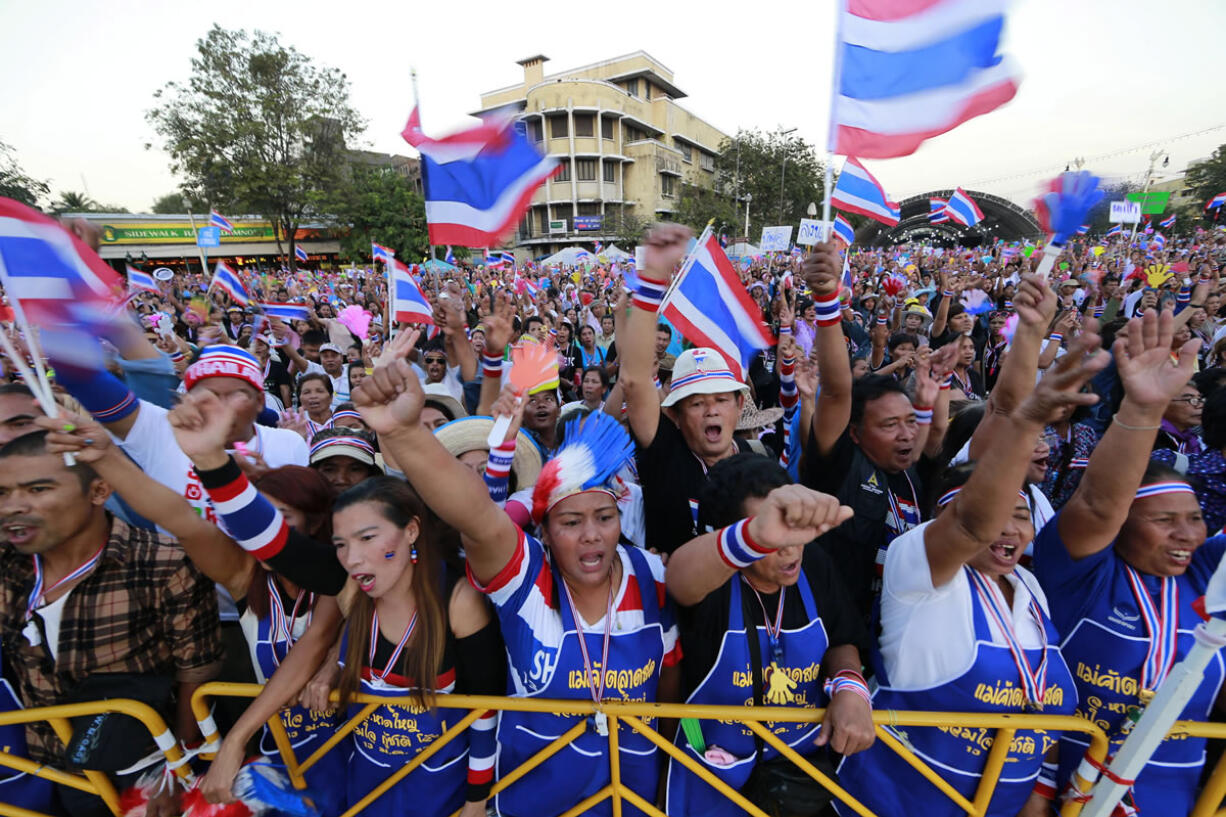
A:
208, 237
558, 226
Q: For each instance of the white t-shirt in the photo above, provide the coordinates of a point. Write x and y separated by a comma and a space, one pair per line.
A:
928, 633
53, 616
340, 388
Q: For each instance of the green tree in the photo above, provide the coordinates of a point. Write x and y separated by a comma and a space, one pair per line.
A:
16, 184
779, 172
380, 205
1208, 178
175, 204
698, 205
73, 202
628, 229
258, 128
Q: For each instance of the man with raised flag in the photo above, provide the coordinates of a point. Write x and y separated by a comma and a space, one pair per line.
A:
858, 192
681, 437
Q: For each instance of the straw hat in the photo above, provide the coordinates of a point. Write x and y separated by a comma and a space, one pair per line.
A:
440, 398
472, 433
753, 418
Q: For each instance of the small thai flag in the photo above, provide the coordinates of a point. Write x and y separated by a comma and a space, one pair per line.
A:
141, 281
378, 252
1114, 231
599, 247
936, 211
1159, 242
449, 258
1083, 229
531, 287
409, 303
216, 219
286, 311
1216, 202
228, 282
858, 192
963, 209
1167, 224
844, 231
301, 254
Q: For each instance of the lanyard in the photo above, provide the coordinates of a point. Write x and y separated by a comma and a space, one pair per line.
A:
595, 686
1163, 630
772, 632
374, 643
1034, 682
904, 523
37, 594
279, 623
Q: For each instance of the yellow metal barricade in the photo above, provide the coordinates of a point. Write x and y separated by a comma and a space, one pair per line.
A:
91, 782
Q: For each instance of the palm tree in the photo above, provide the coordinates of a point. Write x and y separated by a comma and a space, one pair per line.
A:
70, 202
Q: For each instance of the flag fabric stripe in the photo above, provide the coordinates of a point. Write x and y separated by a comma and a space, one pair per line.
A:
216, 219
872, 73
226, 280
458, 222
889, 10
858, 192
844, 230
286, 311
911, 25
141, 281
963, 209
301, 254
409, 303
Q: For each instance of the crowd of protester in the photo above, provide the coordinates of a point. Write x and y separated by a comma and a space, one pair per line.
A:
949, 486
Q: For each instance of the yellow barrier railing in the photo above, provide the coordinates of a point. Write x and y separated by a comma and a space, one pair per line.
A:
635, 716
90, 782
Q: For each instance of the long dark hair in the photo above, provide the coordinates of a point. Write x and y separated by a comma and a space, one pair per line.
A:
400, 505
302, 488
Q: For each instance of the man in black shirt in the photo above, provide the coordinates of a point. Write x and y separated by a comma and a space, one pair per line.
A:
680, 438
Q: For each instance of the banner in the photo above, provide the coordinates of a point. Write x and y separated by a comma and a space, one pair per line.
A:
776, 239
811, 231
1125, 212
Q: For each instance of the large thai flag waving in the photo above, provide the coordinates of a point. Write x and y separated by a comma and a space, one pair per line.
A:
710, 307
962, 209
908, 70
478, 182
59, 283
858, 192
409, 303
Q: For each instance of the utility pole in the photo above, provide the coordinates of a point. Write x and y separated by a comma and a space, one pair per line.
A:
1149, 175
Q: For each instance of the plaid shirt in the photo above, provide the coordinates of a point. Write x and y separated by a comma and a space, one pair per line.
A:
144, 609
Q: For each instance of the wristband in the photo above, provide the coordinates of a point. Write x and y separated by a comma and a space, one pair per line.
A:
923, 415
491, 366
655, 381
1099, 311
785, 330
1195, 306
1056, 337
102, 394
882, 320
1045, 785
737, 549
498, 466
947, 294
829, 310
846, 681
176, 356
949, 382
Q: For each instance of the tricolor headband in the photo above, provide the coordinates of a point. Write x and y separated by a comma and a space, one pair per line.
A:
1159, 488
948, 497
350, 413
352, 442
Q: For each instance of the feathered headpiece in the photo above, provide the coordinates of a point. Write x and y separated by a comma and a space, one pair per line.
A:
596, 448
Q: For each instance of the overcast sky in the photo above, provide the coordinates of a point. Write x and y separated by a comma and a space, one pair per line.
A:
1099, 77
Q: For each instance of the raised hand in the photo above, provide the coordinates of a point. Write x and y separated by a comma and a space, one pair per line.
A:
794, 515
499, 326
391, 398
79, 435
1035, 303
1061, 385
400, 346
822, 268
201, 423
296, 421
664, 248
1143, 358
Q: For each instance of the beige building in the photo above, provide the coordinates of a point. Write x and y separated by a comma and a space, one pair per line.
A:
625, 145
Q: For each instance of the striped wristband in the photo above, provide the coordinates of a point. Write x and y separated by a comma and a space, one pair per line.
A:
948, 382
829, 310
648, 294
1056, 337
948, 293
176, 356
923, 415
498, 465
737, 549
1045, 785
785, 330
491, 366
849, 681
882, 320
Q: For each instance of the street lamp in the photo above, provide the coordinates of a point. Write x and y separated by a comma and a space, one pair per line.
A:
748, 198
783, 172
812, 211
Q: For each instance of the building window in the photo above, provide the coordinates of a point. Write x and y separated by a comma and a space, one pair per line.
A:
606, 127
585, 124
585, 170
536, 130
544, 211
668, 186
557, 127
633, 134
610, 169
632, 87
563, 172
687, 152
589, 208
707, 162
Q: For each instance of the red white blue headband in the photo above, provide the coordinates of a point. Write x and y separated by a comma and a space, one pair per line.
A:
1159, 488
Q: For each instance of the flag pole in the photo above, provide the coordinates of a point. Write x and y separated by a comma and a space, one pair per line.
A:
204, 254
687, 263
827, 224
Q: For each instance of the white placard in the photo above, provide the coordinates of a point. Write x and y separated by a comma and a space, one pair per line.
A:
1125, 212
776, 239
812, 231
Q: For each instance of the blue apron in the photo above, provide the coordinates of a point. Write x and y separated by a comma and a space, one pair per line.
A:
17, 788
729, 683
1106, 655
887, 785
390, 737
582, 768
307, 730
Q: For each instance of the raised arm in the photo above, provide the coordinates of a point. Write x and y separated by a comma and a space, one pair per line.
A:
498, 329
789, 516
976, 517
1092, 517
664, 249
833, 411
390, 402
459, 349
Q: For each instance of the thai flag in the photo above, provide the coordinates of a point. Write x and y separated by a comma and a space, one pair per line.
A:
301, 254
710, 307
1216, 202
286, 311
449, 258
1149, 228
478, 182
409, 303
962, 209
858, 192
1114, 231
531, 287
378, 252
1010, 253
508, 258
216, 219
844, 230
58, 283
228, 282
141, 281
936, 211
1167, 224
1159, 242
1084, 229
599, 247
908, 70
723, 240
